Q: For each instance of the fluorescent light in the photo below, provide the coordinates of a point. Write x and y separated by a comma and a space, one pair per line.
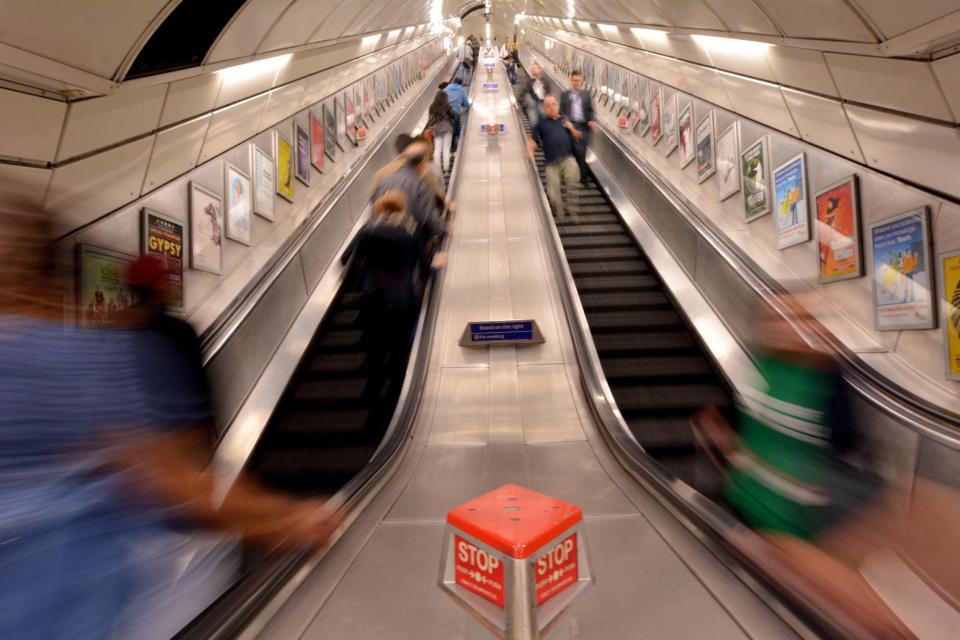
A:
486, 29
369, 41
583, 24
650, 34
732, 45
394, 33
607, 27
255, 68
571, 9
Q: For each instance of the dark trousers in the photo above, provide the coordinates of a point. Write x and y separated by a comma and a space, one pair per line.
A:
580, 148
454, 145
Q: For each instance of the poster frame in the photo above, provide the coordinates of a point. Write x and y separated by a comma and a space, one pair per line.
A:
301, 165
946, 305
82, 250
316, 159
341, 118
709, 119
854, 183
734, 130
802, 159
656, 132
228, 211
145, 213
924, 213
257, 205
691, 138
329, 132
194, 188
278, 139
764, 144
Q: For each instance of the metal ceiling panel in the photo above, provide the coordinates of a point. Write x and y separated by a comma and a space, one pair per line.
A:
742, 16
803, 69
233, 125
749, 63
298, 23
92, 35
175, 152
360, 18
903, 85
759, 101
283, 103
247, 30
643, 12
30, 126
894, 17
947, 71
932, 157
704, 83
100, 122
187, 98
821, 19
22, 187
692, 14
822, 122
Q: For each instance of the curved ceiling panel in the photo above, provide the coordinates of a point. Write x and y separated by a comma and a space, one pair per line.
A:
894, 17
693, 14
92, 35
251, 24
743, 16
820, 19
298, 23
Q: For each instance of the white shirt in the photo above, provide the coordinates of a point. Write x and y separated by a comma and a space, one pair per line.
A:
465, 53
576, 107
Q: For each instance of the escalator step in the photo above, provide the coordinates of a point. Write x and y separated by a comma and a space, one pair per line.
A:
673, 398
659, 367
345, 318
350, 300
618, 266
668, 432
314, 391
696, 470
341, 340
313, 423
579, 255
620, 240
620, 300
593, 218
626, 320
596, 284
572, 204
591, 229
338, 363
632, 343
325, 461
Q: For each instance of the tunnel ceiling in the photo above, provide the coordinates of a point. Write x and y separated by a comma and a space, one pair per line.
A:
77, 43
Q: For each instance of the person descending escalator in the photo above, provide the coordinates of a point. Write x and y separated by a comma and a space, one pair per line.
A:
511, 60
460, 103
537, 88
465, 63
440, 124
556, 136
576, 105
391, 258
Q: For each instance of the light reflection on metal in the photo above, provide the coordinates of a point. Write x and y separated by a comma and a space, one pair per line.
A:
732, 45
255, 68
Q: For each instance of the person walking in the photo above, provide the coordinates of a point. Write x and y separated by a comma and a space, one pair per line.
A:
537, 89
460, 104
421, 199
475, 49
511, 59
556, 136
465, 59
440, 123
576, 105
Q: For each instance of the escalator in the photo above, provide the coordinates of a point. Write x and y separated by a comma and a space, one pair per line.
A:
652, 360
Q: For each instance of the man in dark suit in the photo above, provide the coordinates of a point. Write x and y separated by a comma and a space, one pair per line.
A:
576, 105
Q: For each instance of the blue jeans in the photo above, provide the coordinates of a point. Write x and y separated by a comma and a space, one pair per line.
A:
512, 72
467, 73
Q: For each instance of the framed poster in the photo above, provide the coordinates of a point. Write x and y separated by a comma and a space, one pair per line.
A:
351, 117
316, 143
283, 156
668, 124
655, 102
902, 280
688, 151
162, 238
949, 277
263, 182
706, 152
368, 116
206, 230
838, 230
329, 133
302, 137
728, 161
341, 122
755, 170
358, 105
643, 108
238, 192
102, 289
791, 216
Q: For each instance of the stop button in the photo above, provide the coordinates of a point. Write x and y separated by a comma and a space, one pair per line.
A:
515, 559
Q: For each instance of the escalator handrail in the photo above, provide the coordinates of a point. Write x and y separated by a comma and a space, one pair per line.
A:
236, 610
695, 510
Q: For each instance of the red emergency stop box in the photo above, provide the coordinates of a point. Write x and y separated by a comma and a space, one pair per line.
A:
515, 559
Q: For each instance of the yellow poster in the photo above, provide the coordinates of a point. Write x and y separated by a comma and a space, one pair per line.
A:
950, 265
284, 159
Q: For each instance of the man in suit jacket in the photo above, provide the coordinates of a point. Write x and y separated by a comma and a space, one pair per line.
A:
576, 105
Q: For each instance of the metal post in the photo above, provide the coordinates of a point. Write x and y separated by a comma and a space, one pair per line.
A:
521, 603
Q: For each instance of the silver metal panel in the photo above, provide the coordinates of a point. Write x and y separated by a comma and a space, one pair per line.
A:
31, 126
175, 152
463, 409
322, 246
570, 471
236, 368
938, 462
506, 422
504, 464
467, 301
23, 186
822, 122
101, 122
390, 591
529, 285
549, 413
432, 491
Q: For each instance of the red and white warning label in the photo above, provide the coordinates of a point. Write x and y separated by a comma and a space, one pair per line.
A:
556, 569
478, 571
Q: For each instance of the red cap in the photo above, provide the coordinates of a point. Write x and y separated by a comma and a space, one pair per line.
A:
148, 272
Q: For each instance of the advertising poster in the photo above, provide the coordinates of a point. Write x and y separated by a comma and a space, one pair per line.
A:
206, 230
341, 123
163, 239
754, 166
706, 152
283, 155
643, 109
351, 118
303, 153
950, 279
838, 231
728, 161
901, 272
368, 111
358, 105
102, 292
316, 143
329, 133
239, 197
655, 103
791, 215
688, 151
669, 124
263, 182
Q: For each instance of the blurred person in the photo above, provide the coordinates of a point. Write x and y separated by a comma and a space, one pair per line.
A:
511, 60
90, 464
465, 62
393, 263
420, 198
556, 136
576, 105
537, 89
460, 104
474, 43
440, 123
789, 477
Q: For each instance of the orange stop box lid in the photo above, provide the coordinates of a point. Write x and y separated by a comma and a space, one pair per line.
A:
514, 520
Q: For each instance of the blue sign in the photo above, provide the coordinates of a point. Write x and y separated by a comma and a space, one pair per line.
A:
506, 332
491, 86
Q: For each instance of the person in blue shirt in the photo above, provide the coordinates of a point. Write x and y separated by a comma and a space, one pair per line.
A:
556, 136
460, 104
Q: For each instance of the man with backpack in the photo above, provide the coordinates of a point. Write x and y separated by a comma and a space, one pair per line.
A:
465, 58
